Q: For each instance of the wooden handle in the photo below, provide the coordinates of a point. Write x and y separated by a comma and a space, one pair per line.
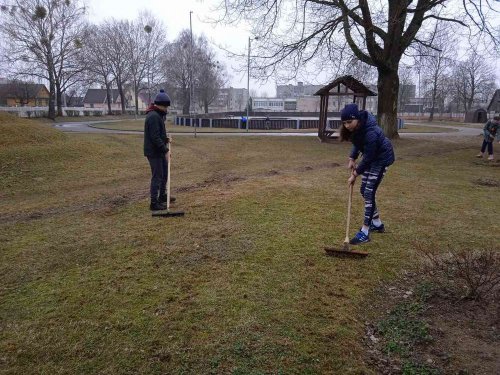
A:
351, 187
169, 145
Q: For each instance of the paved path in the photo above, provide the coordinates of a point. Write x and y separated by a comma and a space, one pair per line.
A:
86, 127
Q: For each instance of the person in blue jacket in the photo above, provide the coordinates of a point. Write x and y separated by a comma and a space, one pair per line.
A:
155, 149
361, 128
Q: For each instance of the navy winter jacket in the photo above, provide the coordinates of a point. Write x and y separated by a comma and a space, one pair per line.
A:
370, 140
155, 134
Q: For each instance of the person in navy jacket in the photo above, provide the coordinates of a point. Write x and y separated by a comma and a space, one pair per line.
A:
361, 128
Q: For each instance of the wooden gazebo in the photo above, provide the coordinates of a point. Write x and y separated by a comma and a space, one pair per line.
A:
342, 86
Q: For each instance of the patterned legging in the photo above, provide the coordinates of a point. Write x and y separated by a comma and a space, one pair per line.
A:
369, 184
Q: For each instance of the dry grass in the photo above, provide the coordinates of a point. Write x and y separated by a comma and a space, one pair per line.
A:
92, 284
410, 128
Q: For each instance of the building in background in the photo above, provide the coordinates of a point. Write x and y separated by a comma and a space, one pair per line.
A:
296, 91
97, 98
14, 93
494, 105
230, 99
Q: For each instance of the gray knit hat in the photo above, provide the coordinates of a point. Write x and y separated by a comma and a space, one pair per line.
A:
162, 98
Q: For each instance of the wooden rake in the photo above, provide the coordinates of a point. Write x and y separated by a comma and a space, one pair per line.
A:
345, 251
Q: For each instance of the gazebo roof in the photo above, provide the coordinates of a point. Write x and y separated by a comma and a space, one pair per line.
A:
351, 83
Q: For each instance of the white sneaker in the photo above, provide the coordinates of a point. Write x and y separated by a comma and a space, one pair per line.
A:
480, 155
491, 157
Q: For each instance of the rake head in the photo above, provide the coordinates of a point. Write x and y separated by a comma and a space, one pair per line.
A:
345, 252
167, 213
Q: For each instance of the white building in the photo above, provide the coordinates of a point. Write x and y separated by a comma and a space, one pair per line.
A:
274, 104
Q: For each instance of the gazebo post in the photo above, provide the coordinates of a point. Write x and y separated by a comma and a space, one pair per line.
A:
322, 115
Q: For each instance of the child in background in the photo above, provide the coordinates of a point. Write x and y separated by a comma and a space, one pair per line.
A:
361, 128
490, 131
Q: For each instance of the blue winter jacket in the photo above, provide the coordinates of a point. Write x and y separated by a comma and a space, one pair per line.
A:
370, 140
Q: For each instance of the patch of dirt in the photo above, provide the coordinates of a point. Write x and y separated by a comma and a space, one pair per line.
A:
215, 180
463, 336
491, 164
305, 169
107, 205
331, 165
272, 172
484, 181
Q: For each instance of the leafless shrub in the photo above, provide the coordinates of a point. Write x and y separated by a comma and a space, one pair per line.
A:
469, 274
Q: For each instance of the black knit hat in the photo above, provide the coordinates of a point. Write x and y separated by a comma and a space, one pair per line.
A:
162, 98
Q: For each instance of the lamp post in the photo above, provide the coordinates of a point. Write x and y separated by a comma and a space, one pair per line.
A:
191, 63
248, 80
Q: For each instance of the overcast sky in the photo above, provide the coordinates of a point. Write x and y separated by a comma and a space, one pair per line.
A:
175, 16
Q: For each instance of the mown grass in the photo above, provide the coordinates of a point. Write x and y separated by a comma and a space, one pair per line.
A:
90, 283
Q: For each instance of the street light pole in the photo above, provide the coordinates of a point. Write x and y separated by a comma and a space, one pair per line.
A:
248, 79
248, 82
191, 92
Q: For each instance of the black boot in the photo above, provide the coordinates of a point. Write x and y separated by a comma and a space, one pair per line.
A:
163, 198
157, 206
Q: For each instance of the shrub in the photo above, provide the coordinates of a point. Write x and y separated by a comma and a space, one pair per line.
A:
470, 274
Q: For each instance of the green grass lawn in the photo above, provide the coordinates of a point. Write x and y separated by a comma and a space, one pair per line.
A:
91, 283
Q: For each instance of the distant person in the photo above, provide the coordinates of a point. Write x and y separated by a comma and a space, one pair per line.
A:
268, 123
155, 149
243, 122
490, 131
361, 128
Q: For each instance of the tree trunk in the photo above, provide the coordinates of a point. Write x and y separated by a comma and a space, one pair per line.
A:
59, 99
52, 89
136, 98
122, 95
387, 109
108, 95
433, 101
187, 104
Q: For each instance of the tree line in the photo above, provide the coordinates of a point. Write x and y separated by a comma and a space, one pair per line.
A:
341, 35
53, 41
50, 39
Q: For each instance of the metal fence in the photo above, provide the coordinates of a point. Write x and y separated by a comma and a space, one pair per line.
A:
31, 112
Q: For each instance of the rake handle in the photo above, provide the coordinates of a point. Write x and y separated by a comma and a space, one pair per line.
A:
351, 188
169, 145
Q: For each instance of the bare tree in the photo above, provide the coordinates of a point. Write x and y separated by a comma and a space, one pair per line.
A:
405, 87
42, 36
116, 39
436, 62
209, 74
377, 32
146, 41
95, 60
176, 64
474, 80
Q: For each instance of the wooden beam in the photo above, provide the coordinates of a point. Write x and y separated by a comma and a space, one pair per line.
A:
348, 94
